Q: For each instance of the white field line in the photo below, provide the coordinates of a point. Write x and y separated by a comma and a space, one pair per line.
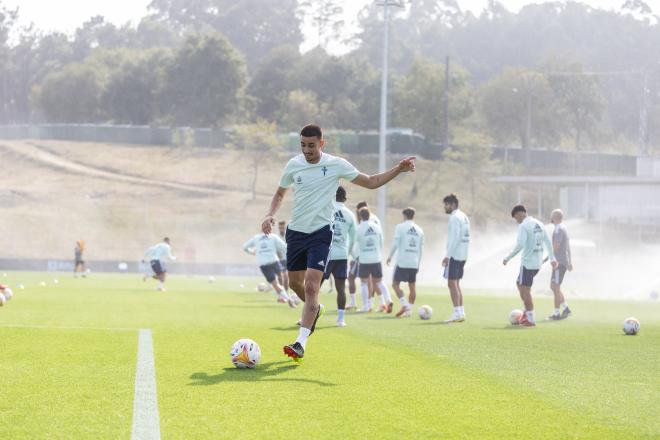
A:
58, 327
146, 423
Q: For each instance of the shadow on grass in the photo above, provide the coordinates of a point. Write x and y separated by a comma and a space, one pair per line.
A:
506, 327
265, 372
295, 327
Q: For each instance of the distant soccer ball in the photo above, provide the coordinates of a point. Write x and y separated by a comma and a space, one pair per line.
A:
3, 300
631, 326
20, 286
425, 312
245, 353
8, 293
56, 281
262, 287
514, 316
211, 280
42, 284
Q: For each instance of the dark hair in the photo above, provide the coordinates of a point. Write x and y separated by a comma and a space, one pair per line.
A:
341, 194
282, 222
166, 239
409, 213
311, 130
361, 205
518, 208
451, 199
364, 214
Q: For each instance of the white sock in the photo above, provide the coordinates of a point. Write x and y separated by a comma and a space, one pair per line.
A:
340, 315
530, 315
364, 291
462, 310
161, 285
371, 303
457, 310
352, 296
382, 300
385, 292
563, 305
303, 334
404, 302
557, 311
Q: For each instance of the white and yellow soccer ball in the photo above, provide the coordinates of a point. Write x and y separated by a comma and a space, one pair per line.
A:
3, 300
425, 312
262, 287
631, 326
8, 293
245, 353
514, 316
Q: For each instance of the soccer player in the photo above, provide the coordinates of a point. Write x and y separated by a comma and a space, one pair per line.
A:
408, 244
369, 242
283, 277
458, 240
79, 263
267, 248
532, 238
315, 177
562, 248
156, 255
372, 285
343, 240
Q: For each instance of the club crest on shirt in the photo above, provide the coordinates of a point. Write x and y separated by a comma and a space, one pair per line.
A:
298, 180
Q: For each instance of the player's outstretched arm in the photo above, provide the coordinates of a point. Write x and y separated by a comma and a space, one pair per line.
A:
378, 180
275, 203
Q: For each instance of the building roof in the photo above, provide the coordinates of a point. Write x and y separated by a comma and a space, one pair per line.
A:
579, 180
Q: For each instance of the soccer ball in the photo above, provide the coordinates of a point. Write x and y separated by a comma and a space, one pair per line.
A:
631, 326
8, 294
211, 280
3, 300
245, 353
262, 287
514, 316
42, 284
425, 312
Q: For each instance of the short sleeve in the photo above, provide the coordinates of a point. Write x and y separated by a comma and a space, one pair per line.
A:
287, 176
347, 170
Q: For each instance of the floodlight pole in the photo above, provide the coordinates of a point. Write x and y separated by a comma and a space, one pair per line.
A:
382, 132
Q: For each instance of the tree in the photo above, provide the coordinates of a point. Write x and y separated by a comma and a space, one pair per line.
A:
417, 99
302, 107
327, 16
518, 101
203, 81
257, 140
71, 94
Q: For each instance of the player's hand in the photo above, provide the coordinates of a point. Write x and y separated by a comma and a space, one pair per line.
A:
445, 262
267, 224
407, 164
570, 268
389, 260
554, 264
504, 262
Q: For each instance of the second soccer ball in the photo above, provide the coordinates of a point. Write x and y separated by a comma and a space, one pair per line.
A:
425, 312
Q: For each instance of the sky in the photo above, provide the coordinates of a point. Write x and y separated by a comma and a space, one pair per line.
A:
67, 15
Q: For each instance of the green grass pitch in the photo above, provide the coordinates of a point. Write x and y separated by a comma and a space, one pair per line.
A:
68, 359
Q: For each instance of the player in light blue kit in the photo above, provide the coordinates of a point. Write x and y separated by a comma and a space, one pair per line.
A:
407, 246
343, 240
156, 256
268, 249
458, 241
532, 238
369, 249
314, 177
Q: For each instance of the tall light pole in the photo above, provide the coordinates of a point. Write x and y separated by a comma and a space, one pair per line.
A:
382, 131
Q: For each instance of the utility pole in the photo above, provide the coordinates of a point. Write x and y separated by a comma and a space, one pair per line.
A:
382, 133
644, 117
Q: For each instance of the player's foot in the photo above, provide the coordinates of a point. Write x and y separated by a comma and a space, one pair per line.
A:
402, 313
299, 323
295, 351
351, 307
293, 297
318, 315
365, 310
290, 301
341, 323
554, 317
144, 278
455, 317
382, 308
160, 289
566, 313
282, 299
390, 306
524, 322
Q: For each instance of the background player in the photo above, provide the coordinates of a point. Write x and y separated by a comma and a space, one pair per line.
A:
407, 245
531, 240
315, 177
79, 262
374, 218
369, 243
343, 240
156, 255
283, 277
267, 248
562, 248
458, 240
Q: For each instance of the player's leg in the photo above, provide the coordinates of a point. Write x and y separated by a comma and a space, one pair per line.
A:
525, 281
396, 285
386, 298
412, 286
340, 284
297, 282
352, 288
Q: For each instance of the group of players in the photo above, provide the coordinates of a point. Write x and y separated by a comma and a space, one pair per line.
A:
323, 234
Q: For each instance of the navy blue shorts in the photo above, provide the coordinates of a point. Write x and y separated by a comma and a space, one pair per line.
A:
526, 276
353, 268
271, 271
337, 268
558, 274
405, 275
373, 269
454, 270
158, 267
308, 251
